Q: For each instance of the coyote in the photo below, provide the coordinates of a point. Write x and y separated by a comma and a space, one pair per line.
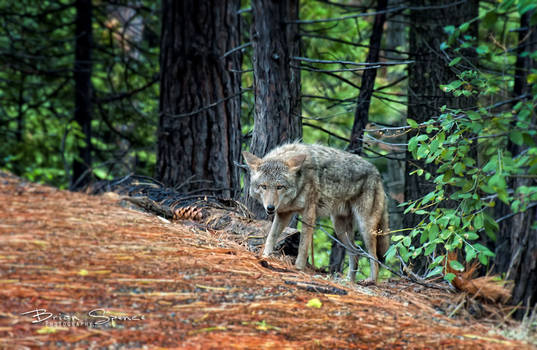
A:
319, 181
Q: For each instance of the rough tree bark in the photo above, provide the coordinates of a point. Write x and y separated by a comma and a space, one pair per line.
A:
199, 126
516, 245
277, 86
430, 69
396, 39
82, 77
361, 116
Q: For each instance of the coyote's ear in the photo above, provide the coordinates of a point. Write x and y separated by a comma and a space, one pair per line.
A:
296, 162
251, 160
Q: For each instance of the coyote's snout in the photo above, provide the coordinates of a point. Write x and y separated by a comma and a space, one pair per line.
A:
318, 181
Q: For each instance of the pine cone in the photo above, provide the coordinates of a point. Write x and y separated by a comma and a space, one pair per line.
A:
189, 213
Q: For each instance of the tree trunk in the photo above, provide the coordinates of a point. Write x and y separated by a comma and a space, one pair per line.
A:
516, 245
277, 86
199, 126
430, 69
82, 76
361, 116
20, 110
395, 175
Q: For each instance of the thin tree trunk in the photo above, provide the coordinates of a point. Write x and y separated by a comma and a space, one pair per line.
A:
199, 126
516, 245
82, 77
277, 85
20, 111
361, 116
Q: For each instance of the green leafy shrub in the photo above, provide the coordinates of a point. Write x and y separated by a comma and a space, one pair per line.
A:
477, 155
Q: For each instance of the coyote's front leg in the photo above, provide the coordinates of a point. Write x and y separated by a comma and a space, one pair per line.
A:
309, 216
280, 222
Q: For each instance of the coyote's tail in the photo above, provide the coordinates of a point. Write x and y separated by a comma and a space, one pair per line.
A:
383, 239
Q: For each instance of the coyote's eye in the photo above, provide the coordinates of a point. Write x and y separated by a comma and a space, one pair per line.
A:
280, 187
263, 187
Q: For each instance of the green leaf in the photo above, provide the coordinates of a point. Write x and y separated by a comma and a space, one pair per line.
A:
412, 144
491, 226
454, 62
439, 259
315, 303
464, 27
428, 197
526, 6
491, 165
528, 139
430, 249
434, 145
458, 168
472, 236
483, 250
505, 5
390, 253
449, 29
433, 232
434, 272
447, 88
473, 115
470, 253
424, 236
445, 234
412, 123
397, 238
423, 151
404, 253
516, 137
482, 49
478, 221
422, 137
497, 182
455, 265
531, 78
533, 170
449, 277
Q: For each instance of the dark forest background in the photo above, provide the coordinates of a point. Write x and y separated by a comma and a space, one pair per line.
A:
439, 95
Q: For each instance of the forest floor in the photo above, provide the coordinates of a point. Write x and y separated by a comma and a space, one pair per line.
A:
80, 271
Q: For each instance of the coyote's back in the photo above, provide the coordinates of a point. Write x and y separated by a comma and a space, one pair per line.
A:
315, 181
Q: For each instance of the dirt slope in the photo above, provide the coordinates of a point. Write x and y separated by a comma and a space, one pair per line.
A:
85, 260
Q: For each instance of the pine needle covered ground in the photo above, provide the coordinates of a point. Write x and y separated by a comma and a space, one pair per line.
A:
81, 271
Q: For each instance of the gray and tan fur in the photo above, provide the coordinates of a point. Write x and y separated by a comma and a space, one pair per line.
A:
319, 181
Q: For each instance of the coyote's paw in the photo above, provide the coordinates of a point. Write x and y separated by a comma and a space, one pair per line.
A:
300, 264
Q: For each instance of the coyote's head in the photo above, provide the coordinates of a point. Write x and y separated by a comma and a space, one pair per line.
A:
273, 182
